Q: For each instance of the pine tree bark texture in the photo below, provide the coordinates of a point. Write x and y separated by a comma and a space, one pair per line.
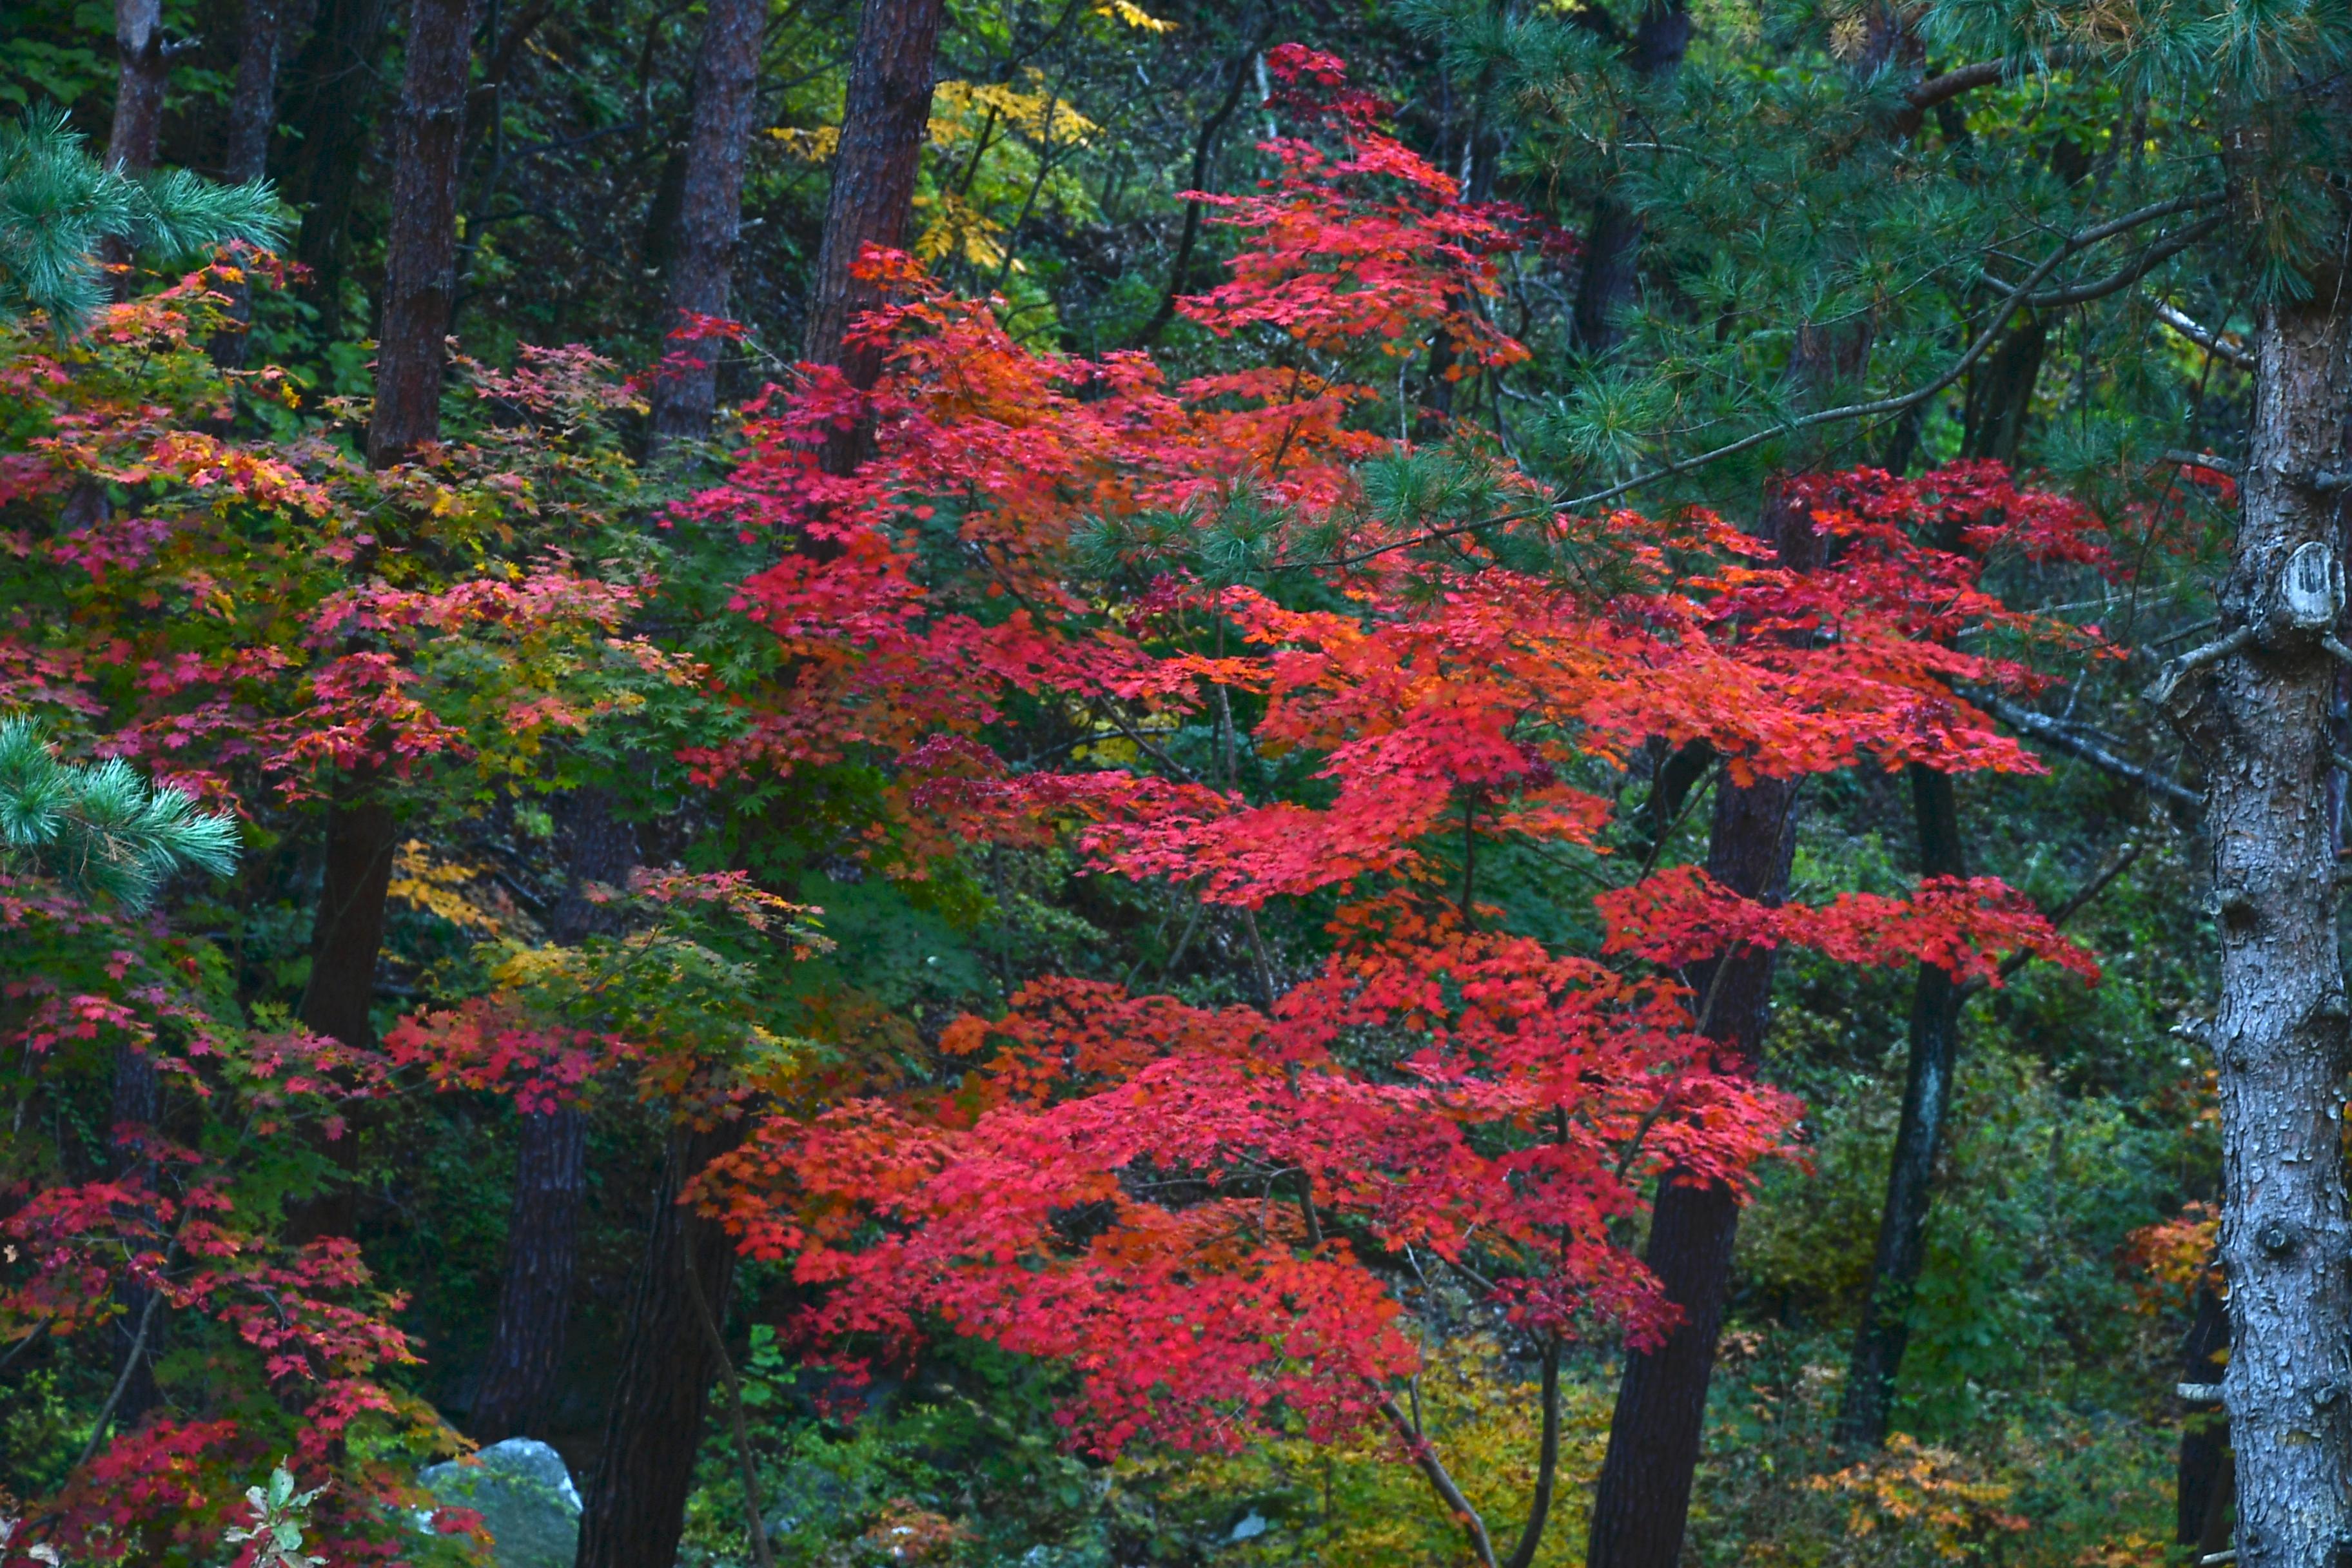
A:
1927, 1105
1643, 1500
252, 116
644, 1469
710, 205
140, 73
883, 123
2279, 1033
525, 1361
421, 251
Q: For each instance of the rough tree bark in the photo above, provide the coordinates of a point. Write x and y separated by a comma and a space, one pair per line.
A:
883, 123
2279, 1035
143, 66
645, 1468
1613, 245
710, 205
1642, 1500
1926, 1103
420, 254
526, 1353
252, 115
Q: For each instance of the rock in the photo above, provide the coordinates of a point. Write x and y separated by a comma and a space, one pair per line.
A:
524, 1495
1252, 1524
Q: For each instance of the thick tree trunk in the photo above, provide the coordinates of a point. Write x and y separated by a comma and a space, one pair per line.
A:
1927, 1102
645, 1470
252, 116
1643, 1498
710, 206
421, 254
349, 931
874, 168
329, 115
138, 84
1613, 245
526, 1354
2279, 1034
253, 106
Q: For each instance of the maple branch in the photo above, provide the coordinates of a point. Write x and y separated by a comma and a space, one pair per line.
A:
2043, 728
30, 1338
2021, 296
1425, 1458
1546, 1461
1203, 150
130, 1363
735, 1414
2066, 910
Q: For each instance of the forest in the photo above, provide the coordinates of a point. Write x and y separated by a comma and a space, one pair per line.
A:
1085, 783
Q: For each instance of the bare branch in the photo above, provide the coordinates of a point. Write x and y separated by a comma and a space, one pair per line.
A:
2204, 337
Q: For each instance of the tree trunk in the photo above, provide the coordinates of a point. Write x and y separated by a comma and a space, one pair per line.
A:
329, 115
710, 206
645, 1470
138, 85
253, 108
1613, 245
1643, 1497
1926, 1100
137, 1101
421, 254
346, 935
874, 168
2205, 1439
252, 115
2279, 1034
526, 1354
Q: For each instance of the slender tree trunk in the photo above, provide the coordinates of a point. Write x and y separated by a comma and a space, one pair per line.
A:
329, 112
2279, 1033
526, 1354
1643, 1500
644, 1469
137, 1102
874, 168
252, 115
1613, 245
2205, 1439
1927, 1102
421, 254
138, 85
710, 205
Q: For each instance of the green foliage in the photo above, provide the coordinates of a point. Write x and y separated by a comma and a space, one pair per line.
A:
100, 827
58, 205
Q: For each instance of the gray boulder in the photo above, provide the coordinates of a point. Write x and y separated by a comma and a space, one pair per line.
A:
524, 1495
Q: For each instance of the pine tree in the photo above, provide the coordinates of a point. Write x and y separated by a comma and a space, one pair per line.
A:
99, 828
58, 204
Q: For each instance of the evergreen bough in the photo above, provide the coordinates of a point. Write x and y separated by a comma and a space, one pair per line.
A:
100, 827
58, 204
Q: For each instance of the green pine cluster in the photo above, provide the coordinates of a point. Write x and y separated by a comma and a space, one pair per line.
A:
58, 204
99, 828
